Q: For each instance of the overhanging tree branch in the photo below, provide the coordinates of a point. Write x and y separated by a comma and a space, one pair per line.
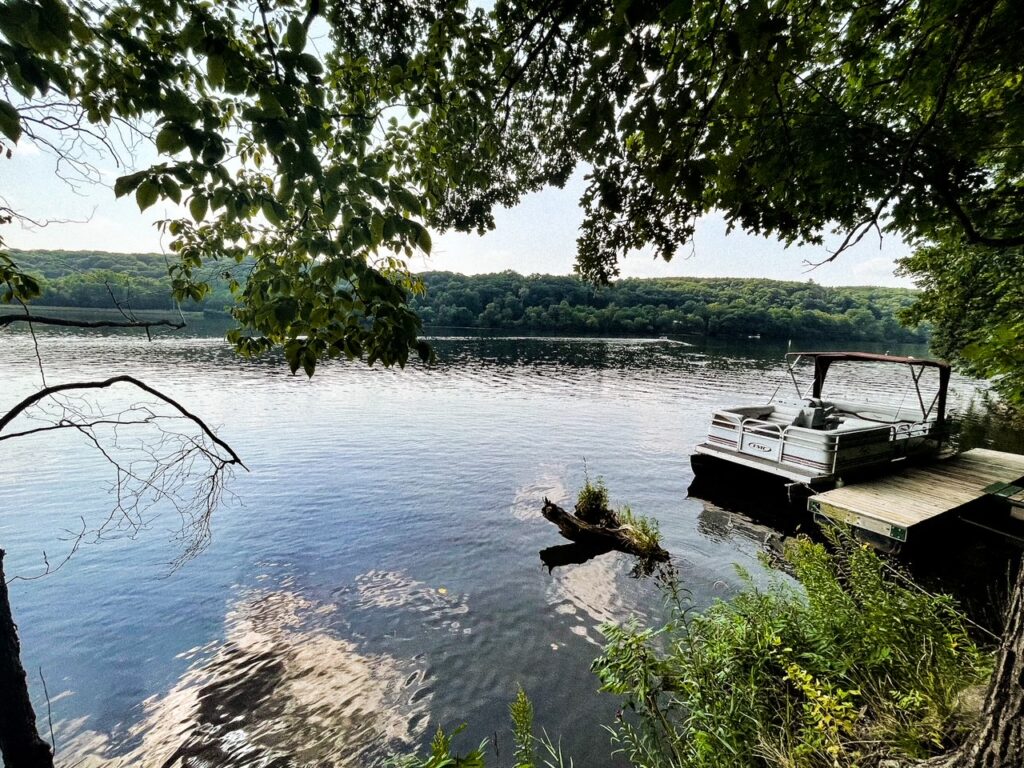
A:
44, 320
46, 392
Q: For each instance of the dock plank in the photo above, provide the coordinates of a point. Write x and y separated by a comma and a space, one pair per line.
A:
892, 504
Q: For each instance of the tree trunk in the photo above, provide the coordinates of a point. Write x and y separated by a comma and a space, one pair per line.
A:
20, 743
998, 739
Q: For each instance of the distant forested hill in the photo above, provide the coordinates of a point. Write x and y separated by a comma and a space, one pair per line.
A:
90, 278
561, 304
708, 306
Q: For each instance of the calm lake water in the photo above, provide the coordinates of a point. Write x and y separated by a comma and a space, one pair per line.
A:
376, 574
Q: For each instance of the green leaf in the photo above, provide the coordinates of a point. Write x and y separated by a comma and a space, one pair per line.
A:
311, 64
197, 207
376, 229
169, 140
407, 201
147, 194
425, 351
273, 211
308, 361
423, 240
285, 311
295, 37
126, 184
176, 105
216, 68
271, 105
171, 189
214, 150
10, 121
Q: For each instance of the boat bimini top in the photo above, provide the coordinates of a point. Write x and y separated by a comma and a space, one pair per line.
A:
823, 360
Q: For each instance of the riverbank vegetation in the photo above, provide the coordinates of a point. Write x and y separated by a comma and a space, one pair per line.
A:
528, 749
546, 303
851, 666
700, 306
101, 280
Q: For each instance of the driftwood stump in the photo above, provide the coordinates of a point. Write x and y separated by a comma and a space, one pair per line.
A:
610, 536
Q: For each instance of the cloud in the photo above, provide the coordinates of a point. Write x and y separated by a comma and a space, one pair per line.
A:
25, 148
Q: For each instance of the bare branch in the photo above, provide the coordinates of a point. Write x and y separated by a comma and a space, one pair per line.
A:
35, 341
186, 469
43, 320
46, 392
76, 539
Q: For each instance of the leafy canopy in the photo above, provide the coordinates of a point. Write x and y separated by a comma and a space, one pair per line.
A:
792, 117
325, 139
974, 298
320, 142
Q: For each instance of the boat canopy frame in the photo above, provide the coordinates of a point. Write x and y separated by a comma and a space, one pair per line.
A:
823, 360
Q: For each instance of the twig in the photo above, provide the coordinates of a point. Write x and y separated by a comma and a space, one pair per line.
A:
35, 341
49, 712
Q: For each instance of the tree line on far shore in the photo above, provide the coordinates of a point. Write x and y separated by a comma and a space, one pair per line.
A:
698, 306
100, 280
566, 304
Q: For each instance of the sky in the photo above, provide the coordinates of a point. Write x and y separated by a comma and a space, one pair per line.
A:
536, 236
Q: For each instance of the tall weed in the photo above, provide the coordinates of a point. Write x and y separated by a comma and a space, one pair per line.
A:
526, 746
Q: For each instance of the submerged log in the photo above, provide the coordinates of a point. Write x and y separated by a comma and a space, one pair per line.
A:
619, 537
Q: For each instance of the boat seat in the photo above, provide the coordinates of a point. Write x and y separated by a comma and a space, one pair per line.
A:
746, 412
879, 413
783, 416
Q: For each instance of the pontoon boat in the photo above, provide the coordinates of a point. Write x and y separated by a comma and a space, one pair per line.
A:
821, 442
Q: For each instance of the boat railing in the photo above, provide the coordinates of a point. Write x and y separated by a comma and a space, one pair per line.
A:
813, 449
906, 430
761, 438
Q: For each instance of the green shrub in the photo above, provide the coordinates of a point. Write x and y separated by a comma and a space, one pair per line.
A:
521, 713
442, 756
592, 501
853, 666
643, 531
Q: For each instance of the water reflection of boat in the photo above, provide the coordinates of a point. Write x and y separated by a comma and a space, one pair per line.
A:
733, 521
821, 442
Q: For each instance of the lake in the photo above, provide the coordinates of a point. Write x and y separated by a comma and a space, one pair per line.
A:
377, 572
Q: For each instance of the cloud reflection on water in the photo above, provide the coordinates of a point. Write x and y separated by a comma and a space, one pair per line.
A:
280, 690
591, 593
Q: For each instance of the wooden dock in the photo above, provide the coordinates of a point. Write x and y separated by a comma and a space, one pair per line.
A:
890, 506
